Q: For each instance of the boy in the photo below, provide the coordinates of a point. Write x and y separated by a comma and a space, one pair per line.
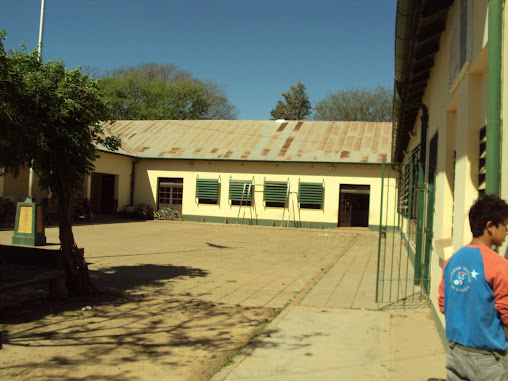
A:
473, 296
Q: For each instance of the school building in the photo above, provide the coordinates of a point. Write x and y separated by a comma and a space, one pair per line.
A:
448, 137
276, 173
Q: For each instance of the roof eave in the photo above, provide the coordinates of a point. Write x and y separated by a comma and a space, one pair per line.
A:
418, 30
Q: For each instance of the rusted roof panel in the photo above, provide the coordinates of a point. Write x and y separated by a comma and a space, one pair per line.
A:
250, 140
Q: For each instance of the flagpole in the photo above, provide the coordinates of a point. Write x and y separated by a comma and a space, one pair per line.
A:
39, 49
41, 28
29, 222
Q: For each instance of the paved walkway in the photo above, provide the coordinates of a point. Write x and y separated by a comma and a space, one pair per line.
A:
333, 331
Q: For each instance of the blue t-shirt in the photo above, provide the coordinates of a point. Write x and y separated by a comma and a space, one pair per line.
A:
470, 300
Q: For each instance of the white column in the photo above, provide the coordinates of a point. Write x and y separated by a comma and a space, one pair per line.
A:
467, 146
444, 176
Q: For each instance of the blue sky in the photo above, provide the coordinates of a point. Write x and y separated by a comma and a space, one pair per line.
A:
255, 49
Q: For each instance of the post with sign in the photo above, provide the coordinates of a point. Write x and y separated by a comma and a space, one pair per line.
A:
29, 223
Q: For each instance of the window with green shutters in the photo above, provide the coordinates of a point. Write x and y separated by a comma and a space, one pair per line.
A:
310, 195
408, 186
240, 192
207, 191
275, 193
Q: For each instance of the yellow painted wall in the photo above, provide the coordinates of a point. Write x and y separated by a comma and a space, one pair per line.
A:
504, 126
16, 188
118, 165
457, 116
504, 116
148, 172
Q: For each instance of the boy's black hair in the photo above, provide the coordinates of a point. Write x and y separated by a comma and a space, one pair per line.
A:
485, 209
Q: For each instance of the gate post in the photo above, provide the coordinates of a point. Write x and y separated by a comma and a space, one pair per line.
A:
420, 216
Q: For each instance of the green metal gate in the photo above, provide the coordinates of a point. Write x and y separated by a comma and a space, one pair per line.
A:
405, 234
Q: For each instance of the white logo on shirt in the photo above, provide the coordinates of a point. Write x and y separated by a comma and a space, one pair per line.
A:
460, 278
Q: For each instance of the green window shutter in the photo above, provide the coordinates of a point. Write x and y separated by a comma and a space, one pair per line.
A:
404, 191
237, 188
310, 193
482, 184
207, 189
275, 191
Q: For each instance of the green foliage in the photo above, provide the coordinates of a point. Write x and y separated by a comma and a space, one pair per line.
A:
153, 92
356, 105
49, 119
296, 106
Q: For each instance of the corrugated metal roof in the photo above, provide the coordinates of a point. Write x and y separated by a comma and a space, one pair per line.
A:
251, 140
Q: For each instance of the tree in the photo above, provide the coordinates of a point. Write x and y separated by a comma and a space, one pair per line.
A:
91, 71
134, 98
219, 106
356, 105
154, 91
296, 106
50, 120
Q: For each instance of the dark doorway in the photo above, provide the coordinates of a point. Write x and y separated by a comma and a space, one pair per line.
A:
108, 194
103, 194
354, 205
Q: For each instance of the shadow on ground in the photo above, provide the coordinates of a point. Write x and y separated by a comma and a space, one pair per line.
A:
91, 336
112, 283
129, 278
165, 331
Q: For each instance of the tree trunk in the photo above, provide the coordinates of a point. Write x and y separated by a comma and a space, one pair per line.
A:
76, 269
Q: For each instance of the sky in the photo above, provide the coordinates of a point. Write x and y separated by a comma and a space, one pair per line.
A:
254, 49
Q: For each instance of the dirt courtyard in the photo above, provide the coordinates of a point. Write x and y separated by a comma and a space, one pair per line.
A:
181, 298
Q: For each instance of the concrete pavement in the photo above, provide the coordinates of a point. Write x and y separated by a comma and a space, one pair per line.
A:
333, 331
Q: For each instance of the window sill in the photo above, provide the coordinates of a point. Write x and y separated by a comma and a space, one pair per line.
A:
444, 248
